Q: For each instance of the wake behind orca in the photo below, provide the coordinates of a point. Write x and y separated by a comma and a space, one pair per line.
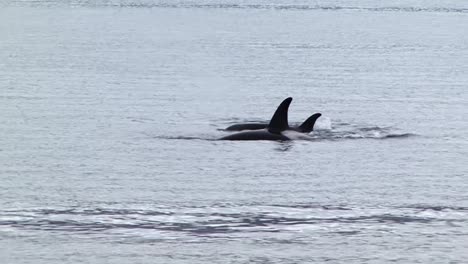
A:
273, 131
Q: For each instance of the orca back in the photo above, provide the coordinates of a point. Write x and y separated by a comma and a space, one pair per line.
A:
256, 135
246, 126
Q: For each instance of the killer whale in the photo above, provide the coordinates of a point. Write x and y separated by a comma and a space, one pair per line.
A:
278, 124
306, 127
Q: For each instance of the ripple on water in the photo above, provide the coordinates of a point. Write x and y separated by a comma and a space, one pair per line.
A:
340, 219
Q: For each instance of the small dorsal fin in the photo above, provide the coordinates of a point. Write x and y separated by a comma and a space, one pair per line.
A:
279, 121
308, 125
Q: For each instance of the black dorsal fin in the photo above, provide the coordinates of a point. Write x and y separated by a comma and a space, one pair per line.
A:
279, 121
308, 125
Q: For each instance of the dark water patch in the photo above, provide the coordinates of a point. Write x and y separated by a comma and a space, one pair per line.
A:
403, 135
437, 208
387, 218
184, 138
313, 206
140, 120
99, 211
347, 233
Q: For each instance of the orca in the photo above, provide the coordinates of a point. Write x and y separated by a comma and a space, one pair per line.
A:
278, 124
306, 127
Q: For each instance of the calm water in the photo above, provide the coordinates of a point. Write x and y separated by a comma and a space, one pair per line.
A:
109, 113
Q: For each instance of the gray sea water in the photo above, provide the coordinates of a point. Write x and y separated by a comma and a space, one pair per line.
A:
110, 111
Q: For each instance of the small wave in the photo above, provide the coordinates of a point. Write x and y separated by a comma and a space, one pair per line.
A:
299, 7
183, 138
99, 211
214, 223
253, 6
403, 135
437, 208
219, 220
315, 206
286, 7
373, 128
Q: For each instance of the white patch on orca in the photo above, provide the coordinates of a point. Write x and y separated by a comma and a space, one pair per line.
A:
294, 135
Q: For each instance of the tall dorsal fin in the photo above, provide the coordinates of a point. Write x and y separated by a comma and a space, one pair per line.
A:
279, 121
308, 125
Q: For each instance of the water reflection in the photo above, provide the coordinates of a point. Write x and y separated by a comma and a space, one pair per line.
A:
284, 146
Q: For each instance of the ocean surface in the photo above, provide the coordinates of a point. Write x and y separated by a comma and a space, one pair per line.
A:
110, 113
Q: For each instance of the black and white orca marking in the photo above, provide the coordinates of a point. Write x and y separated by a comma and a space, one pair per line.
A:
306, 127
273, 131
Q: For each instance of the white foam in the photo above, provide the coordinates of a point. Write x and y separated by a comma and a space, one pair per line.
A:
323, 123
